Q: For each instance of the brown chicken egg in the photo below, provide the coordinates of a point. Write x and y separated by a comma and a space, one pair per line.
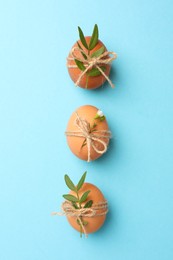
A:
90, 82
89, 62
93, 223
85, 206
88, 133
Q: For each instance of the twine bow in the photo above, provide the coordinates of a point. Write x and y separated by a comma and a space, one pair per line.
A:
98, 209
91, 137
92, 61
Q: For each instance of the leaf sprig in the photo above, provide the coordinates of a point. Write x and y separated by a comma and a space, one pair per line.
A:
94, 38
92, 129
101, 118
90, 46
77, 200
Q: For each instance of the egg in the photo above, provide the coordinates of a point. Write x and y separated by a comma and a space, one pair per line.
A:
91, 82
89, 62
94, 223
87, 133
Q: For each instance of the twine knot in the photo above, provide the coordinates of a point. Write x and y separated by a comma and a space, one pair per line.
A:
106, 58
92, 138
97, 209
93, 61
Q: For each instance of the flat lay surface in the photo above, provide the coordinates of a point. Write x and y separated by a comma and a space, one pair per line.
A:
37, 98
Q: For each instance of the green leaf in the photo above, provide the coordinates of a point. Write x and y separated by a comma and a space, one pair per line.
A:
94, 38
70, 197
94, 125
102, 118
95, 72
84, 143
85, 223
77, 220
69, 183
98, 52
82, 180
96, 117
80, 64
75, 205
84, 196
82, 38
88, 204
93, 130
82, 52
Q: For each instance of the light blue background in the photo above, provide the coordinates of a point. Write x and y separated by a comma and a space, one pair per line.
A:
37, 98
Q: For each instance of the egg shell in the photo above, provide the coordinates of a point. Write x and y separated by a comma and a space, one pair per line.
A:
93, 81
88, 113
96, 222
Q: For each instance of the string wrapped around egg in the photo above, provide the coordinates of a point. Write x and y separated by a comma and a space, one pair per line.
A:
89, 62
85, 206
87, 133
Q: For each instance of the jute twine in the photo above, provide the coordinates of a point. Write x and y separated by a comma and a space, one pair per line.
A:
91, 62
91, 137
98, 209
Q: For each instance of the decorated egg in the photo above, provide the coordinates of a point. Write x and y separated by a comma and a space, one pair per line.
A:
87, 133
85, 206
89, 62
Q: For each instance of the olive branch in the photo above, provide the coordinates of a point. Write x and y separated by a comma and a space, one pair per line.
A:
93, 126
77, 201
92, 44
